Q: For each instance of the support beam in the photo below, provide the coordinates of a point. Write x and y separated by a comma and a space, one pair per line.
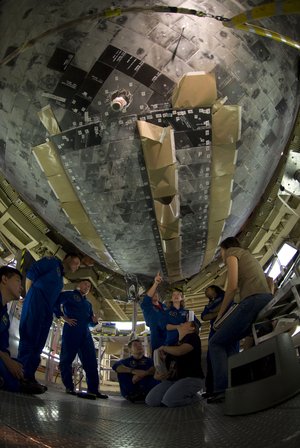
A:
105, 293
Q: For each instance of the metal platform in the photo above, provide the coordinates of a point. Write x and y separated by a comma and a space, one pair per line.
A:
58, 420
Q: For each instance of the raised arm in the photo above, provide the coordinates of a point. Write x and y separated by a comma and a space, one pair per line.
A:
157, 281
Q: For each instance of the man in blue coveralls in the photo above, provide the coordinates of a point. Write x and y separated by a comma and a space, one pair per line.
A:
135, 374
44, 282
11, 371
76, 338
154, 315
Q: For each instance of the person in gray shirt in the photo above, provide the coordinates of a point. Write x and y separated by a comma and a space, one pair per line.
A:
244, 273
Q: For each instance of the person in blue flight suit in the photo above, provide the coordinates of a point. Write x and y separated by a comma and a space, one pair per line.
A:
11, 371
154, 315
44, 282
76, 338
177, 315
135, 374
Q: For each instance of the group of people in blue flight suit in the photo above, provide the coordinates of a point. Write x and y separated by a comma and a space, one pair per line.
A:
174, 331
168, 325
44, 296
164, 321
44, 283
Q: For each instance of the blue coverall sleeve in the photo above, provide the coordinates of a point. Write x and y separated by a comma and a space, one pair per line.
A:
4, 331
41, 267
146, 303
204, 312
57, 307
91, 323
4, 342
197, 321
121, 362
211, 307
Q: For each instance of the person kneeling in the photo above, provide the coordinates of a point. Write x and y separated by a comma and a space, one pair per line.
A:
184, 376
11, 371
135, 374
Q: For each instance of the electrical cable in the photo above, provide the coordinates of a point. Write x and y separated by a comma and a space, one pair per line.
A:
284, 7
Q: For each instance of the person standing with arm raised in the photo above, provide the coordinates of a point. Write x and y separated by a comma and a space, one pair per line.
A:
154, 314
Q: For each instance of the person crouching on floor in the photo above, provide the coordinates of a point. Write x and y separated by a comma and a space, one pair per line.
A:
135, 374
11, 371
183, 377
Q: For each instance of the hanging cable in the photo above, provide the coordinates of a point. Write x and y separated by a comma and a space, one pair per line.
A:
239, 21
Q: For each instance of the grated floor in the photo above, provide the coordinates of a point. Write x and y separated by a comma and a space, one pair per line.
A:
58, 420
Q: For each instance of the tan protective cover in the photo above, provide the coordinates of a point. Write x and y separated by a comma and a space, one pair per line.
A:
75, 212
50, 163
48, 159
87, 230
171, 230
159, 154
226, 125
158, 145
167, 213
62, 189
222, 172
195, 89
164, 181
172, 246
47, 117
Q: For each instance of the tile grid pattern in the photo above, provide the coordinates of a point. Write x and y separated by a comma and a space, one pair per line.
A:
259, 74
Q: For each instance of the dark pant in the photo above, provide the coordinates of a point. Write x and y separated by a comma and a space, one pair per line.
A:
11, 383
35, 323
235, 327
142, 387
78, 340
209, 378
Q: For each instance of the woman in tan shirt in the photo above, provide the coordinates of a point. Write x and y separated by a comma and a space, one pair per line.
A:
243, 273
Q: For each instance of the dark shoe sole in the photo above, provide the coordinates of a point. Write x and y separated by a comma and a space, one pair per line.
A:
32, 387
219, 398
71, 392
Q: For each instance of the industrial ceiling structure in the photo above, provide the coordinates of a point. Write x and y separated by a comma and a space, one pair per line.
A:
144, 133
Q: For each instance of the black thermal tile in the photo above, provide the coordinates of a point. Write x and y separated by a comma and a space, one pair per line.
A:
146, 74
60, 59
163, 85
112, 56
99, 72
78, 104
89, 89
128, 64
73, 77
